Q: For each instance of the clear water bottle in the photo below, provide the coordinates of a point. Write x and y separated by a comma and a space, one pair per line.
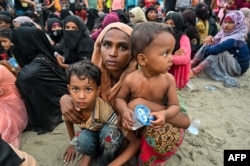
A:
142, 116
13, 63
194, 127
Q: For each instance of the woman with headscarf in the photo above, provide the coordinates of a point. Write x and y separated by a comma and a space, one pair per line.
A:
41, 81
226, 55
246, 12
182, 51
93, 19
191, 31
137, 16
77, 43
108, 19
55, 32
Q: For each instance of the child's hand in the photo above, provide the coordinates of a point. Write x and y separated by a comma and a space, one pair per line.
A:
126, 119
69, 155
159, 120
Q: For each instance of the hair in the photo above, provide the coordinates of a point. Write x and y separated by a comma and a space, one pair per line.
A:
5, 32
5, 18
143, 34
84, 69
202, 11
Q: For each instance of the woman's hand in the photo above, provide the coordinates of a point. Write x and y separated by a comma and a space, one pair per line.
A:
209, 40
69, 111
69, 155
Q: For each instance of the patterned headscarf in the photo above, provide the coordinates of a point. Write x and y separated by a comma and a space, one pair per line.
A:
108, 92
240, 30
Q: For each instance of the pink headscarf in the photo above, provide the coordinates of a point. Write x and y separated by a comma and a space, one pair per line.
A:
240, 30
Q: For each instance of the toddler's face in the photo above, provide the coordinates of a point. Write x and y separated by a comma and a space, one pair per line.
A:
158, 54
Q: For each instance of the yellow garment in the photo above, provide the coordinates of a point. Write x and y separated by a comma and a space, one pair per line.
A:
58, 6
202, 30
99, 116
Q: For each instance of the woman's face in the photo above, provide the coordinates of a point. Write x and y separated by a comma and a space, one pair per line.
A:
152, 15
71, 26
228, 26
170, 22
116, 50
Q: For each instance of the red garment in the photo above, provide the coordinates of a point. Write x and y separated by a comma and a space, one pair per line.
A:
232, 7
181, 64
245, 4
82, 14
149, 3
148, 155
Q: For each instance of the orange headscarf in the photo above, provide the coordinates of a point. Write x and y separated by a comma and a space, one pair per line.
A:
108, 92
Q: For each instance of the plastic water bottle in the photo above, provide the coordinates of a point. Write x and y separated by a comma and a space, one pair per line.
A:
13, 63
194, 127
142, 116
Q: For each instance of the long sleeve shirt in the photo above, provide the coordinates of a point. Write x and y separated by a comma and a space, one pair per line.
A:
181, 63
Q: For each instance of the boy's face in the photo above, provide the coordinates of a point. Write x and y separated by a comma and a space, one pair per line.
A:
83, 92
5, 42
115, 50
158, 55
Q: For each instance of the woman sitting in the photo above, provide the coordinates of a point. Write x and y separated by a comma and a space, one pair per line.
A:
226, 55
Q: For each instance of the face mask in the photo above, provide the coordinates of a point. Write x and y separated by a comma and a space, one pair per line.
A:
57, 32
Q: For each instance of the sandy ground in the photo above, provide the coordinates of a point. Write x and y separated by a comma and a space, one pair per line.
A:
223, 113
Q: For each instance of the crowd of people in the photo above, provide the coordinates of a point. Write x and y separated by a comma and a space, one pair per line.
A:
91, 64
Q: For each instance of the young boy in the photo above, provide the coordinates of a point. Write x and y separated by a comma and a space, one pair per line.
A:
154, 87
99, 136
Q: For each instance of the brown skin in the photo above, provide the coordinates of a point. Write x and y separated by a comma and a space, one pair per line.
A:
115, 51
140, 84
83, 93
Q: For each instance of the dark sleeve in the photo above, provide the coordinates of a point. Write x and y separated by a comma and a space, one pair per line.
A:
87, 47
8, 155
220, 47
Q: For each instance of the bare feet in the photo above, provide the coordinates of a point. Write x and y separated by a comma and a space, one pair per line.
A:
192, 74
85, 161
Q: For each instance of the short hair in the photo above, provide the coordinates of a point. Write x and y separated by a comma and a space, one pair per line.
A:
143, 34
84, 69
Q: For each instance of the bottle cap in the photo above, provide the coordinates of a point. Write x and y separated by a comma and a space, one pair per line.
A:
142, 114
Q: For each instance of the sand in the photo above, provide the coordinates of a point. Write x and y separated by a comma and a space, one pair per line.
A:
224, 114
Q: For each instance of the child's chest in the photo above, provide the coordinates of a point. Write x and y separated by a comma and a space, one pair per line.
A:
151, 90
